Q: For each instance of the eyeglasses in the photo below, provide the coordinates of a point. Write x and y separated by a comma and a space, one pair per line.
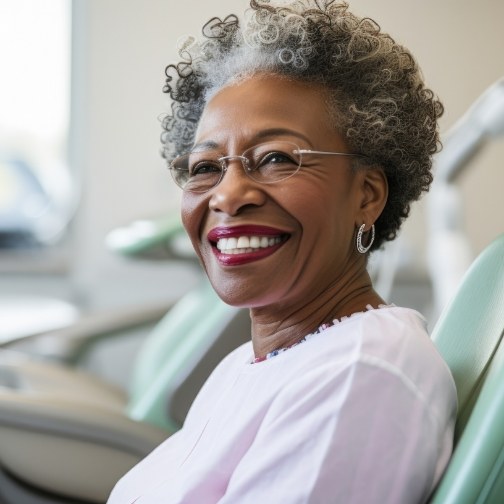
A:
266, 163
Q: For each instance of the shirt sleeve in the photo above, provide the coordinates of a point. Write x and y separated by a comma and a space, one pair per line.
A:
364, 435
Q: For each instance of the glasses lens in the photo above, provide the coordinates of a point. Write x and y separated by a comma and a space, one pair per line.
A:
273, 161
196, 171
267, 163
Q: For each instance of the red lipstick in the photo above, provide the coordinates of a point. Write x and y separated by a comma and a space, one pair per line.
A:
249, 254
248, 230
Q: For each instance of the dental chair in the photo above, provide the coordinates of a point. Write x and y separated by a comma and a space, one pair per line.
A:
66, 436
469, 335
56, 447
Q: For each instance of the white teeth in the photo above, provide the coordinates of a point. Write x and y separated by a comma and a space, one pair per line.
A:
255, 242
246, 244
243, 242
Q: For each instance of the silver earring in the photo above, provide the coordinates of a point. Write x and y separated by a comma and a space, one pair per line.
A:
360, 247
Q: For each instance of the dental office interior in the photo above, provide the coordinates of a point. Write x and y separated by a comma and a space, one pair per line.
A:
92, 254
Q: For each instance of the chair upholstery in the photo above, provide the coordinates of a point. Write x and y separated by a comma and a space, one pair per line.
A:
80, 426
56, 423
180, 354
469, 336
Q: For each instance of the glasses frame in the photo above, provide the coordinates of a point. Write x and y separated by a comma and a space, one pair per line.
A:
223, 161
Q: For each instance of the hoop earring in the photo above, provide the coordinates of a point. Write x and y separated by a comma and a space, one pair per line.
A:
360, 247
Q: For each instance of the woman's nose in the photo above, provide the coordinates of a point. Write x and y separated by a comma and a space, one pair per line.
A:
236, 190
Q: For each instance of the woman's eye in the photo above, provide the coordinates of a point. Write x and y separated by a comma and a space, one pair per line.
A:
204, 168
276, 158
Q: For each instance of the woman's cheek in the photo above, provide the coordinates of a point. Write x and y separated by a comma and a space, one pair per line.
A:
193, 214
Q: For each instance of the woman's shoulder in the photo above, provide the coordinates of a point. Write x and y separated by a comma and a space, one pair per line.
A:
399, 336
389, 343
386, 346
232, 364
393, 338
388, 332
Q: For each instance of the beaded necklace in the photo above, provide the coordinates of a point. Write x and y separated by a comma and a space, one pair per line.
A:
319, 329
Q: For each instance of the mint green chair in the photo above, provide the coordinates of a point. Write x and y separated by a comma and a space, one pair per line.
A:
58, 423
469, 335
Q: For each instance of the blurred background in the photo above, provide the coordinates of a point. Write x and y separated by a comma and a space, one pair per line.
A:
80, 100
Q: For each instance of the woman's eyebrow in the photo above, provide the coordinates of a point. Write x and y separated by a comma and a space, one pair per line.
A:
202, 146
272, 132
261, 135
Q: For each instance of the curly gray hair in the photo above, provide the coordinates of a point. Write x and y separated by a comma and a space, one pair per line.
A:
377, 95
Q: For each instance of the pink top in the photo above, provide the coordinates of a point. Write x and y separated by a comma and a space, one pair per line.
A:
363, 412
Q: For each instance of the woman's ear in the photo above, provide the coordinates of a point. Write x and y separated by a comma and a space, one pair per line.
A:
374, 193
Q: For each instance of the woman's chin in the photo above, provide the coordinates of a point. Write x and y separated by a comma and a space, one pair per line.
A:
235, 294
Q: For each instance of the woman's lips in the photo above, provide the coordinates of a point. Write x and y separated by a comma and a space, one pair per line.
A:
242, 244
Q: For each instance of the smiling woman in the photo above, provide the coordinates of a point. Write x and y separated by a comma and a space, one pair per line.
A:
300, 140
309, 221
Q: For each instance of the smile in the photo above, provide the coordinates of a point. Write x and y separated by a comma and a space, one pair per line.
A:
242, 244
246, 244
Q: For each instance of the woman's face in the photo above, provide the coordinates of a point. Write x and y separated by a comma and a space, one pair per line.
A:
300, 231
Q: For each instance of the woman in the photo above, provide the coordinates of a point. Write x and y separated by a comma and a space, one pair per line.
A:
300, 141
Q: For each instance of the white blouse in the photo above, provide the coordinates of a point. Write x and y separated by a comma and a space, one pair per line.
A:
362, 412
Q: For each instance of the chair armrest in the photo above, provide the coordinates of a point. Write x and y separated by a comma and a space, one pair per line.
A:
161, 239
72, 444
69, 343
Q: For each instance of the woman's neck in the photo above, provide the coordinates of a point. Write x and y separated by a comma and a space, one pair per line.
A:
275, 327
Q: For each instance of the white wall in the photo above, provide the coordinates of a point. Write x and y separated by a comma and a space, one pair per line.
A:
127, 44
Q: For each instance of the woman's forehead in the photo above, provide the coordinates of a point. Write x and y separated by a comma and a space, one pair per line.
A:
263, 104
